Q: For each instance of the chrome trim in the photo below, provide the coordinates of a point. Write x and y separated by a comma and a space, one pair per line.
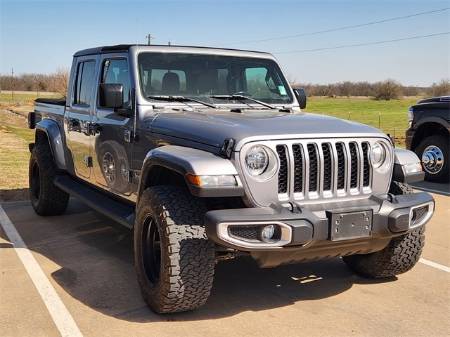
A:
286, 234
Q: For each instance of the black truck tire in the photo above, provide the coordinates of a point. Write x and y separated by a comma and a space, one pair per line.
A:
440, 144
400, 255
45, 197
174, 260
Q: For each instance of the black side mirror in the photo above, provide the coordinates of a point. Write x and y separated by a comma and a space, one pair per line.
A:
300, 94
111, 95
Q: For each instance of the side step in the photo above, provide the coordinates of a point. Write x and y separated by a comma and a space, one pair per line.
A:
109, 207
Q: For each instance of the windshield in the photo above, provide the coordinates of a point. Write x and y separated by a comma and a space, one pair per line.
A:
203, 76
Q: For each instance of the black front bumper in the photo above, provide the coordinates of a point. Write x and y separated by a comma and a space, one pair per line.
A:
311, 227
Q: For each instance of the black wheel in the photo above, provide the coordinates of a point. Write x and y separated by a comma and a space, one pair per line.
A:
46, 198
174, 260
434, 154
400, 255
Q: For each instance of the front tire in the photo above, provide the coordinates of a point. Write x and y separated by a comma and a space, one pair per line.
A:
46, 198
174, 260
400, 255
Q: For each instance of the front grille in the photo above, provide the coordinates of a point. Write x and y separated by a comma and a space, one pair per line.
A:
314, 169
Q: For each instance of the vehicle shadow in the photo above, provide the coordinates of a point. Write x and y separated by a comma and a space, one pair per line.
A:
96, 262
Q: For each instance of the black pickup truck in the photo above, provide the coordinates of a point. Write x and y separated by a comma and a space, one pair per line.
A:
428, 136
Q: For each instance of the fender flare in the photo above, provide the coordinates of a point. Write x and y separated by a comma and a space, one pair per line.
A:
184, 160
54, 137
407, 167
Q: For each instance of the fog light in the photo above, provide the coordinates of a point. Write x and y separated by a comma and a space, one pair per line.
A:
267, 233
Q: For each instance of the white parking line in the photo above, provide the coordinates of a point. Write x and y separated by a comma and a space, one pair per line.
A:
58, 311
435, 265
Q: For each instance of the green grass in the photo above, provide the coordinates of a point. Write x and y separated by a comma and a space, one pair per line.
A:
21, 97
389, 116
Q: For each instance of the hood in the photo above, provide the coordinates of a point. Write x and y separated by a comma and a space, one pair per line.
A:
212, 127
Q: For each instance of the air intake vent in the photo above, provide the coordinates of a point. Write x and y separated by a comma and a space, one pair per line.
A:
313, 167
341, 166
283, 172
298, 168
353, 165
365, 149
327, 167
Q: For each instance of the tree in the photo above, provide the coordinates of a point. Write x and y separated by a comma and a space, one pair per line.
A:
60, 81
441, 89
387, 90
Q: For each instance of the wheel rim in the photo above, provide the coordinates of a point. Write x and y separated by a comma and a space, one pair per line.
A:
151, 250
432, 159
109, 167
35, 182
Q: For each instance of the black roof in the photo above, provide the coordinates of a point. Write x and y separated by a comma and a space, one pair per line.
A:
126, 47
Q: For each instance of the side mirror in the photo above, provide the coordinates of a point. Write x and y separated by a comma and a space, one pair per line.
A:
111, 95
300, 94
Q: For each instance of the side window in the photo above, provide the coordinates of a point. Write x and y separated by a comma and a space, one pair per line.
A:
116, 71
84, 83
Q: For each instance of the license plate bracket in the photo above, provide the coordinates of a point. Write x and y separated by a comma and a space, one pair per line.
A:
350, 225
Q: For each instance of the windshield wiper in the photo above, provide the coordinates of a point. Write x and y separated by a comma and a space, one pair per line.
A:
182, 99
238, 96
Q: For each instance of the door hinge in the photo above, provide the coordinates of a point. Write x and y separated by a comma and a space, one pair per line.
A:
127, 135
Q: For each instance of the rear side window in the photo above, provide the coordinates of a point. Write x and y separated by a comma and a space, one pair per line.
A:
84, 83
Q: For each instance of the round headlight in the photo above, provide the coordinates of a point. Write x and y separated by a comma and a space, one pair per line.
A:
377, 154
257, 160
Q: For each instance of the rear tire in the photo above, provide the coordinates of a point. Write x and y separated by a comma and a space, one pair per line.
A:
400, 255
46, 198
438, 146
174, 260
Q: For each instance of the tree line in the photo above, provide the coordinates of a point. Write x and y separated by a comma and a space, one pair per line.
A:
385, 90
56, 82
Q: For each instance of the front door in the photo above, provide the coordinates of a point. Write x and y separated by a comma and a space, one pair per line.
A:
113, 141
79, 116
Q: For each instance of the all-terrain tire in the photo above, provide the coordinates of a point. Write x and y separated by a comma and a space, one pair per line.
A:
183, 279
46, 198
400, 255
442, 143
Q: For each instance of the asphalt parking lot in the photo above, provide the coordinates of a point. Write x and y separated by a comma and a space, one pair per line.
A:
88, 285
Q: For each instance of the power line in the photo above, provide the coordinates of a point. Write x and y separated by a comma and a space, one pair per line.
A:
363, 44
343, 27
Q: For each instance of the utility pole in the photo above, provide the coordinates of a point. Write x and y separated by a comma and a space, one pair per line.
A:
12, 85
149, 37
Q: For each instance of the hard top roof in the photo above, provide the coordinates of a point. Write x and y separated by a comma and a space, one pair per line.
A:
125, 47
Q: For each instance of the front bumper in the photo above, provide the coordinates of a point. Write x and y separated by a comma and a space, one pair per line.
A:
306, 232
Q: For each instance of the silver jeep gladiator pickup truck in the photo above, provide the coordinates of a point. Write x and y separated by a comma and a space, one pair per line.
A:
206, 155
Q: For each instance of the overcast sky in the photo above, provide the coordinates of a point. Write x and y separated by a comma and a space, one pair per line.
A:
42, 36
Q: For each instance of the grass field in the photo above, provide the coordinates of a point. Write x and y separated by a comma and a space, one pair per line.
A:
390, 116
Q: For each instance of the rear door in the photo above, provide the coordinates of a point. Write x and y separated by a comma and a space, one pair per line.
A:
114, 139
79, 115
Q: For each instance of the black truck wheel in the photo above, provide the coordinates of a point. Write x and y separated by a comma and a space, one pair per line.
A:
433, 151
46, 198
174, 260
400, 255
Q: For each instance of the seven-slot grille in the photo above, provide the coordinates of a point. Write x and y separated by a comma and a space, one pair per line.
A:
310, 170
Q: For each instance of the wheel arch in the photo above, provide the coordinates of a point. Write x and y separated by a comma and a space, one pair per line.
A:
48, 130
428, 128
169, 164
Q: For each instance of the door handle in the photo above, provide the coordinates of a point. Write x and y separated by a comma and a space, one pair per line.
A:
73, 124
93, 128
